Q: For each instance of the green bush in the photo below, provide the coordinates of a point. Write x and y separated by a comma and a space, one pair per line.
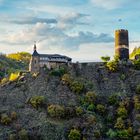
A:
111, 134
13, 115
138, 89
76, 86
37, 101
123, 134
4, 80
136, 99
74, 135
58, 72
90, 97
79, 111
89, 85
138, 117
5, 119
91, 107
66, 79
56, 111
136, 64
112, 66
12, 137
105, 59
122, 112
119, 124
91, 119
137, 106
123, 77
97, 134
100, 108
23, 135
113, 99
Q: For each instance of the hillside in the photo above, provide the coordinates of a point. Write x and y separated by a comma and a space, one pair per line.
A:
13, 62
88, 102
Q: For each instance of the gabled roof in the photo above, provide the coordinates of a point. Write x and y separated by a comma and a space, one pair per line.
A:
55, 56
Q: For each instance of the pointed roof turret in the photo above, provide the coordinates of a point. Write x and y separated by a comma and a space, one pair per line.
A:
35, 53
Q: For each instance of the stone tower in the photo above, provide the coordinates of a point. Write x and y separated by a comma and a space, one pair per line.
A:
122, 44
34, 62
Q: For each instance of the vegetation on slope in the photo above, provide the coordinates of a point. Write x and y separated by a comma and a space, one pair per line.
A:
136, 51
64, 106
13, 63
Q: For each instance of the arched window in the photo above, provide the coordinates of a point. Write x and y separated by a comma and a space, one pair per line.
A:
35, 61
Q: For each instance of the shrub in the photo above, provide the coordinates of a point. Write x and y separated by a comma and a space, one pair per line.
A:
12, 137
13, 115
23, 135
136, 64
79, 111
97, 134
137, 106
56, 111
90, 97
138, 89
66, 79
130, 131
111, 134
123, 77
5, 119
76, 87
58, 72
138, 117
113, 99
105, 58
37, 101
74, 135
100, 108
123, 134
91, 119
4, 80
91, 107
14, 76
89, 85
122, 112
34, 75
136, 99
120, 124
112, 66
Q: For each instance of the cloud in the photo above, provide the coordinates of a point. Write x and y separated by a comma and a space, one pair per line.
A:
34, 20
108, 4
53, 36
72, 19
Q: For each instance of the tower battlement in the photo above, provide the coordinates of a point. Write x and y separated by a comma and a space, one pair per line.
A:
121, 30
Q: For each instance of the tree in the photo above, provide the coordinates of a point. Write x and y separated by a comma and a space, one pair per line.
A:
105, 58
74, 135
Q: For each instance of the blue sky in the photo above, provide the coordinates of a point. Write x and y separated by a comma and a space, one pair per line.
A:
81, 29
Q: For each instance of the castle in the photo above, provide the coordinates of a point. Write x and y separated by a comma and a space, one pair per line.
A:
38, 61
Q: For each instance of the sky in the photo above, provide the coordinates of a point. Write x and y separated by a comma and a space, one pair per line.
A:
80, 29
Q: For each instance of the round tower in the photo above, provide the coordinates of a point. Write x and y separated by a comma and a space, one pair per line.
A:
122, 44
